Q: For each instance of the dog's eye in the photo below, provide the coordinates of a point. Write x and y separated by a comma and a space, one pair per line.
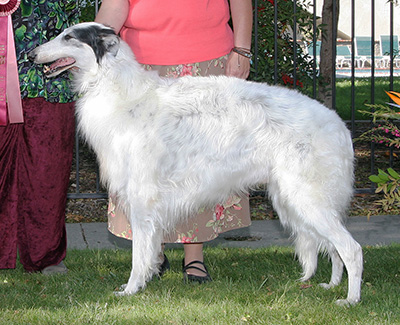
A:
68, 37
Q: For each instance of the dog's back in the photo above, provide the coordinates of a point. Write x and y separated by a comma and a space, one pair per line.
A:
269, 130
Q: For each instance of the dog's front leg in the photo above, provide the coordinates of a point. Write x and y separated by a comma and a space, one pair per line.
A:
146, 248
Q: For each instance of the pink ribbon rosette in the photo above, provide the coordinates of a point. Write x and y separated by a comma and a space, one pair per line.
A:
9, 82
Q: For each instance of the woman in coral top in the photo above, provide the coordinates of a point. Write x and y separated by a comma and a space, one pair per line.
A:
178, 38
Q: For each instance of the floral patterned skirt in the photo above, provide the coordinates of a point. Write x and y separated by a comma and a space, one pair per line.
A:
233, 214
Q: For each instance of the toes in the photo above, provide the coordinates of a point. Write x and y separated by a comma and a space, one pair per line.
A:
347, 302
326, 285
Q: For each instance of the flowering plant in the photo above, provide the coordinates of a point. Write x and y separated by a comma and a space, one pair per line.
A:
385, 133
388, 183
285, 48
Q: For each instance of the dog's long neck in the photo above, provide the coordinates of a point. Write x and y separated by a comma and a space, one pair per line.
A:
111, 96
121, 74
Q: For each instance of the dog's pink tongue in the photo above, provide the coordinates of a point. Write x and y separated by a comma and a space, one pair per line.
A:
62, 63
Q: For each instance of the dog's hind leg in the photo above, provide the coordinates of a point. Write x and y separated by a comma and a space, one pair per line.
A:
337, 268
146, 248
313, 224
306, 247
348, 251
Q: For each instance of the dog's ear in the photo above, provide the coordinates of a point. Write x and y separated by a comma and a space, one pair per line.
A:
111, 43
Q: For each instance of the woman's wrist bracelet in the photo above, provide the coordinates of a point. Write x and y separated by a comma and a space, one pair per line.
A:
243, 52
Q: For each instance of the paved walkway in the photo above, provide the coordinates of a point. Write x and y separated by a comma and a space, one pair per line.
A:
379, 230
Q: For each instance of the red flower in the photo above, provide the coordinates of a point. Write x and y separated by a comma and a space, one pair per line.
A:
186, 71
219, 211
289, 80
186, 240
262, 8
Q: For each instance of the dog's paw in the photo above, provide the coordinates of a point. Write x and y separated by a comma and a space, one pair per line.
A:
121, 291
346, 302
125, 290
326, 286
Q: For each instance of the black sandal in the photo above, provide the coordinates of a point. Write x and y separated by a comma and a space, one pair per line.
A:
195, 278
164, 267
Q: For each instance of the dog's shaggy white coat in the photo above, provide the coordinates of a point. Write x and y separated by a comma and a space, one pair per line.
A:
169, 147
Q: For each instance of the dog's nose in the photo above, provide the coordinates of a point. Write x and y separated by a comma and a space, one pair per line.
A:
32, 55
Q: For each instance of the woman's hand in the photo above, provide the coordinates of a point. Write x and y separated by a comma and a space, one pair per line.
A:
237, 66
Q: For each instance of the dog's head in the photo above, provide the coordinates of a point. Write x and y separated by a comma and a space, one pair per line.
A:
80, 47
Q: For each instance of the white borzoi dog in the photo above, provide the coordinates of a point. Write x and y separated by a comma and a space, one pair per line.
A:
168, 147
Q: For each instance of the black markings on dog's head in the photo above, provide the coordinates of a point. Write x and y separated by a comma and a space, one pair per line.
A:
101, 39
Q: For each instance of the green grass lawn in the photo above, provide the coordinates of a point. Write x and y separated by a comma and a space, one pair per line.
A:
362, 92
251, 286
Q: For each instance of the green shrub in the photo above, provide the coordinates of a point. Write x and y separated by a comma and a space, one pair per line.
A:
285, 46
386, 133
87, 10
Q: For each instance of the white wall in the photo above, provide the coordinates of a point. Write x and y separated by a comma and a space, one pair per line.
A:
363, 17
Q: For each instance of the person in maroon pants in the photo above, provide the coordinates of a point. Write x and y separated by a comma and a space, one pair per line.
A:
36, 155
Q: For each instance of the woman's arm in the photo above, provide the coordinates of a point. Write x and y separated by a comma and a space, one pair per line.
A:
242, 19
113, 13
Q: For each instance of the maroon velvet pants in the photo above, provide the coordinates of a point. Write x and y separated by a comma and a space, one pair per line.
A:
35, 163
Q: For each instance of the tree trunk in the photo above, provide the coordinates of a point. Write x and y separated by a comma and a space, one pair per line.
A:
326, 82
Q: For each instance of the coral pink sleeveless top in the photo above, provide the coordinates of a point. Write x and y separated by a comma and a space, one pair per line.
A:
169, 32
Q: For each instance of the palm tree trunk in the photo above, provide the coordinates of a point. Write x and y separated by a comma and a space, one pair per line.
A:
328, 51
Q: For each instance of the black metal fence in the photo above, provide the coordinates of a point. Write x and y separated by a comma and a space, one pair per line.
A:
344, 66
